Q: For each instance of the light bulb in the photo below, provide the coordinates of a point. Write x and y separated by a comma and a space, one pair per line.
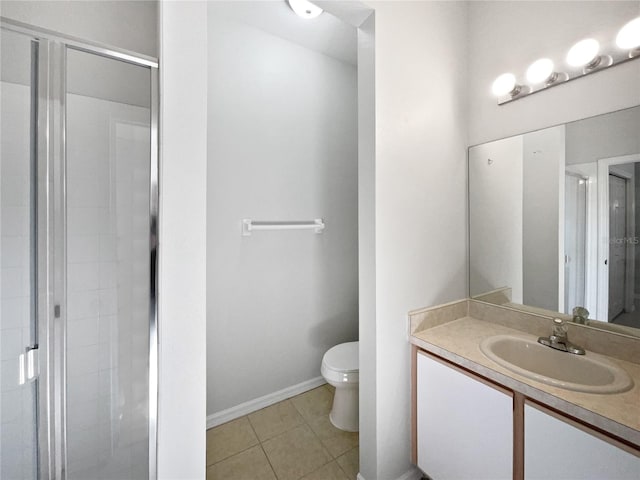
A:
585, 52
629, 36
540, 71
304, 8
504, 84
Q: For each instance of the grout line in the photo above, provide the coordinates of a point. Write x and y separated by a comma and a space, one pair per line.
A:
231, 456
321, 446
239, 452
252, 428
284, 431
321, 442
297, 409
269, 460
322, 466
345, 472
305, 393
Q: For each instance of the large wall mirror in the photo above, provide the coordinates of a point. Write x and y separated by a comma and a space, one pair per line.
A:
554, 221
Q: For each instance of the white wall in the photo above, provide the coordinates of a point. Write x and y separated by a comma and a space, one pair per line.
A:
605, 136
508, 36
183, 257
420, 201
282, 145
495, 205
131, 25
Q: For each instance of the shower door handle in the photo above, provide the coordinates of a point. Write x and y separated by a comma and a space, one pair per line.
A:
28, 364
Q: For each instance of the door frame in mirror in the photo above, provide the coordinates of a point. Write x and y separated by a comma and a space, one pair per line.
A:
604, 164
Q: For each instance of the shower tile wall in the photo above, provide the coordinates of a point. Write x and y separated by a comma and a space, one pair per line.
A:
16, 402
107, 266
107, 288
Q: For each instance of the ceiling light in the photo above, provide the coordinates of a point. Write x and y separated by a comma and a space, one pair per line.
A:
541, 71
584, 53
505, 84
304, 8
629, 37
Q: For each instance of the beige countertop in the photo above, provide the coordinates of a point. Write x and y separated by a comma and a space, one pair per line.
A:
458, 341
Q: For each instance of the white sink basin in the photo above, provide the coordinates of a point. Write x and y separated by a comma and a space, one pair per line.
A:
582, 373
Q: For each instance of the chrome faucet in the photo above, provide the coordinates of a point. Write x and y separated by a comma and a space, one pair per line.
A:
558, 339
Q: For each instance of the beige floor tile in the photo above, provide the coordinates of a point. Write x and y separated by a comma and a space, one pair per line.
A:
331, 471
274, 420
331, 388
251, 464
314, 403
295, 453
350, 463
336, 441
229, 439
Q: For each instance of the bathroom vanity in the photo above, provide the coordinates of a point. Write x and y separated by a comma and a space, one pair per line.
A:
474, 418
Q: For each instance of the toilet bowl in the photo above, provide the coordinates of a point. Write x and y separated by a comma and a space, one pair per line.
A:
340, 369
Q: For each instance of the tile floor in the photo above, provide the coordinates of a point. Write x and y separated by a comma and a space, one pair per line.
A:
291, 440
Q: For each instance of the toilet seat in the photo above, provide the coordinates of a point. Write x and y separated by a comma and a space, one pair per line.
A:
340, 363
342, 358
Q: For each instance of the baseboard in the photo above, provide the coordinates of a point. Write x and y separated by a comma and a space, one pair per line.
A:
251, 406
413, 474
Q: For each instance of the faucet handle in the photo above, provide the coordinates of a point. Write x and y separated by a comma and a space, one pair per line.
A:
559, 327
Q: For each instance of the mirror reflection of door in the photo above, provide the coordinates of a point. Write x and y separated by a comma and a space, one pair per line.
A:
617, 245
623, 241
575, 241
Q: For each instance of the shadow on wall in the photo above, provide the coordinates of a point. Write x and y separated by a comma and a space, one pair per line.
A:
334, 330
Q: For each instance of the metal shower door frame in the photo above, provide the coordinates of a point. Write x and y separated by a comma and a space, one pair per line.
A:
50, 145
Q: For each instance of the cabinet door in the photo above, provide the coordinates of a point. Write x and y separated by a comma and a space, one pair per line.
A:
556, 449
464, 426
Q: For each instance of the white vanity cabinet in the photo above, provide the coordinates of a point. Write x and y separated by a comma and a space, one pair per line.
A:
557, 449
464, 427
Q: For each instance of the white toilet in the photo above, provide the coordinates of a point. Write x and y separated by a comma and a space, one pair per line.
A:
340, 369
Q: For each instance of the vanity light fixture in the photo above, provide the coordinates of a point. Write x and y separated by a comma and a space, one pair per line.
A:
583, 58
505, 84
304, 8
629, 37
541, 71
586, 54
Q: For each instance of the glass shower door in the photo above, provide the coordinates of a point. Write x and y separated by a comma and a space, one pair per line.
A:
18, 257
78, 230
108, 115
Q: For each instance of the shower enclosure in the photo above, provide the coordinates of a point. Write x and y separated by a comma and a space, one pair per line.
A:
78, 221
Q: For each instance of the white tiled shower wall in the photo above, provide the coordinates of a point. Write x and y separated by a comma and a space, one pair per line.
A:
107, 287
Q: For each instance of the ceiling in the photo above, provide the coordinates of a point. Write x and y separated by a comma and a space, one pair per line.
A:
325, 34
